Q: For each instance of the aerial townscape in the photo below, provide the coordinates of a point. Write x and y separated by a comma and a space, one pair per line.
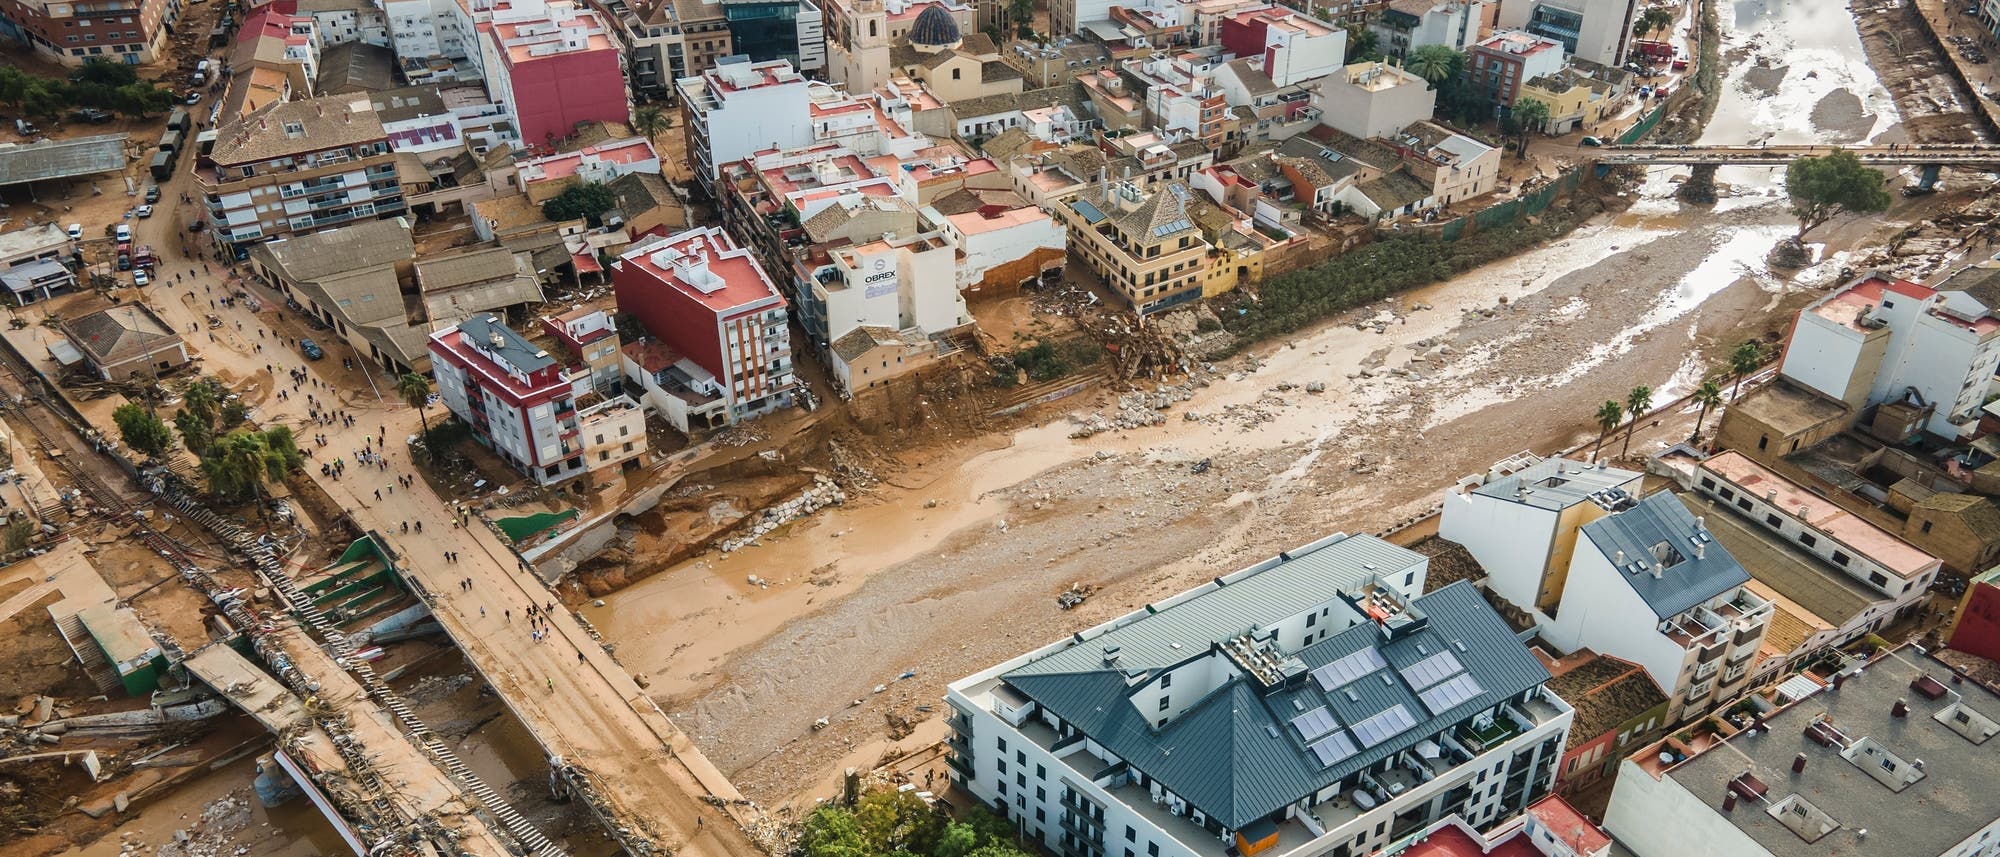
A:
999, 428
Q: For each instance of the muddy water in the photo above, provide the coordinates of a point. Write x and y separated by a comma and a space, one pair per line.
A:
681, 626
294, 829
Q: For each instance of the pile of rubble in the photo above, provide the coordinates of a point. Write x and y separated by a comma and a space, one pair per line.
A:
819, 495
213, 835
1075, 595
1135, 409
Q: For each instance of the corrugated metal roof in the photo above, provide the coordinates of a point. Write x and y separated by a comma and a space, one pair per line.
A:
1659, 525
1220, 754
56, 159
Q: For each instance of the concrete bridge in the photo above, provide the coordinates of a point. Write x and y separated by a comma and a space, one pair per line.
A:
1976, 155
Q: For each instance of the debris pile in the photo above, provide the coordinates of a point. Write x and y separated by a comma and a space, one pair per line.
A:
1075, 595
819, 495
1135, 409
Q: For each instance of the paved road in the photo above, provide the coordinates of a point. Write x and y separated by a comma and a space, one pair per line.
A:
1975, 154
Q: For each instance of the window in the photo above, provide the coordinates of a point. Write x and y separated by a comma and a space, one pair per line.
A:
1021, 780
1152, 849
1133, 835
1167, 681
1808, 539
1020, 758
1774, 520
1841, 558
1926, 527
1040, 815
1002, 744
1727, 494
1876, 578
1708, 483
1165, 702
1002, 763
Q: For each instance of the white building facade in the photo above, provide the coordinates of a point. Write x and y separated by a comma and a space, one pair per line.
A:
737, 109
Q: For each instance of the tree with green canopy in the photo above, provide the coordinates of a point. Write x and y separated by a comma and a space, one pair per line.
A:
1824, 186
142, 429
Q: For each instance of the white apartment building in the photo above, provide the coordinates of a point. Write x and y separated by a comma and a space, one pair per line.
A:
1294, 48
1407, 25
1649, 584
343, 21
1374, 99
740, 108
1894, 758
1888, 568
1596, 30
1877, 338
992, 242
1312, 704
1520, 520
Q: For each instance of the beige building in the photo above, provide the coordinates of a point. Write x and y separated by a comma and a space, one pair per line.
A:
301, 166
1374, 99
125, 342
1141, 242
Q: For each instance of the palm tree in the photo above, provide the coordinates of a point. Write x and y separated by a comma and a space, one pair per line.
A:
1532, 115
416, 392
1708, 395
1655, 18
1636, 403
1435, 63
650, 121
1609, 415
201, 401
1743, 361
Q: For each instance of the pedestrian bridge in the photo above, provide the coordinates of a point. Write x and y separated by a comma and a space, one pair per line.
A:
1979, 155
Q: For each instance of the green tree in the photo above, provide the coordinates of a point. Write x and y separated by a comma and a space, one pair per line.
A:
586, 200
201, 400
650, 121
141, 429
197, 434
102, 71
416, 392
1435, 63
831, 832
957, 840
242, 462
998, 849
14, 86
1654, 18
1824, 186
892, 821
1532, 115
233, 414
1708, 395
1362, 43
141, 100
1743, 361
1636, 403
1022, 13
1609, 415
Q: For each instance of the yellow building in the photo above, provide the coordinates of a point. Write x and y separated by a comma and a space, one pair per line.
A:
1576, 102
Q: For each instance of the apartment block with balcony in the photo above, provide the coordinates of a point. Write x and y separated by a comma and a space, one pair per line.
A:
1520, 519
518, 400
297, 167
720, 346
1312, 704
739, 108
1141, 241
133, 32
1651, 585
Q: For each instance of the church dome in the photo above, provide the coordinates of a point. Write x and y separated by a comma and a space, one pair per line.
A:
934, 27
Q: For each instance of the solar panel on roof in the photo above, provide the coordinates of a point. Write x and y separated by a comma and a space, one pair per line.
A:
1166, 229
1449, 695
1432, 670
1314, 723
1384, 726
1089, 212
1349, 668
1334, 749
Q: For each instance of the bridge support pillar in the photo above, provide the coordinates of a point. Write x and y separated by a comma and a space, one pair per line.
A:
1927, 176
1699, 188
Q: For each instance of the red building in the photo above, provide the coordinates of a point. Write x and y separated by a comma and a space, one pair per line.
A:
555, 64
516, 398
721, 348
1618, 707
1976, 629
122, 31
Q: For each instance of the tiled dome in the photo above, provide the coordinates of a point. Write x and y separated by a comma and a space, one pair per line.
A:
934, 26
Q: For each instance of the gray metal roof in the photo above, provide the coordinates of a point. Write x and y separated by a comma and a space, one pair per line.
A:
1184, 630
56, 159
1659, 531
1952, 801
1235, 754
1555, 483
490, 334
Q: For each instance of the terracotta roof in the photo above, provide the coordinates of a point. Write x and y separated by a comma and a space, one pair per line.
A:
322, 123
119, 333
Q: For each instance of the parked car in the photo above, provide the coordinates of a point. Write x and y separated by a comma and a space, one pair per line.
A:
76, 232
193, 97
139, 277
124, 261
197, 226
1591, 141
123, 233
152, 194
92, 115
143, 211
311, 349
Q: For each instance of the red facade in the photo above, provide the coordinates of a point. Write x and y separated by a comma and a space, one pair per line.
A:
672, 315
1977, 631
553, 93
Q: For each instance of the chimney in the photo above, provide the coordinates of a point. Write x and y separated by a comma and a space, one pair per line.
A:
1729, 800
1618, 559
1799, 764
1901, 708
1701, 550
1659, 571
1701, 523
1771, 496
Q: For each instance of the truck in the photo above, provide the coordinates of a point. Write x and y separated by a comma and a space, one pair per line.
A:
178, 120
163, 166
1654, 51
143, 257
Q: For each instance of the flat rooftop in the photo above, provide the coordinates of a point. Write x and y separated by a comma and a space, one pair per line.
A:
1822, 514
1952, 800
1845, 307
1554, 484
